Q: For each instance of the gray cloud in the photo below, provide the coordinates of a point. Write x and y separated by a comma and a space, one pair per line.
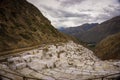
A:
70, 2
119, 1
110, 12
68, 13
62, 13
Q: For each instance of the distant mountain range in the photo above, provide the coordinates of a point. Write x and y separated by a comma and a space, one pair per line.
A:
94, 33
78, 30
102, 30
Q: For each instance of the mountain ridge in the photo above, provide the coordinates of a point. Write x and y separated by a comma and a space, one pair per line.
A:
78, 30
97, 32
102, 30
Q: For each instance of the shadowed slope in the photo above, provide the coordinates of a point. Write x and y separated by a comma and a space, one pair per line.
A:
109, 48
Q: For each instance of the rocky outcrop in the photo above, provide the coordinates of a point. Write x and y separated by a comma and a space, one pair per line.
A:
61, 61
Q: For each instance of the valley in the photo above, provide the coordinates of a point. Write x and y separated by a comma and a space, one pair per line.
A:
31, 48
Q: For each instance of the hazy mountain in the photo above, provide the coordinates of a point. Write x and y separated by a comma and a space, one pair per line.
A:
109, 48
78, 30
102, 30
22, 25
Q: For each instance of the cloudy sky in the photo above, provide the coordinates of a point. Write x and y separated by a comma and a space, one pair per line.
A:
69, 13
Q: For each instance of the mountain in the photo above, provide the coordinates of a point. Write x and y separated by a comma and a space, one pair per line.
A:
102, 30
78, 30
56, 57
94, 33
109, 48
22, 26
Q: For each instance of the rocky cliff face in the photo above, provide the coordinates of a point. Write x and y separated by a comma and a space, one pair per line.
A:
61, 61
22, 25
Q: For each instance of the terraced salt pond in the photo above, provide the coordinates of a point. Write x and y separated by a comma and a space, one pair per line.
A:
63, 61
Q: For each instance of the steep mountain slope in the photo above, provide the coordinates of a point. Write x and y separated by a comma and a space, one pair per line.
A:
109, 48
77, 31
22, 25
101, 31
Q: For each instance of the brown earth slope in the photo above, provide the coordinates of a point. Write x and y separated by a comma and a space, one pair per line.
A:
22, 25
109, 48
